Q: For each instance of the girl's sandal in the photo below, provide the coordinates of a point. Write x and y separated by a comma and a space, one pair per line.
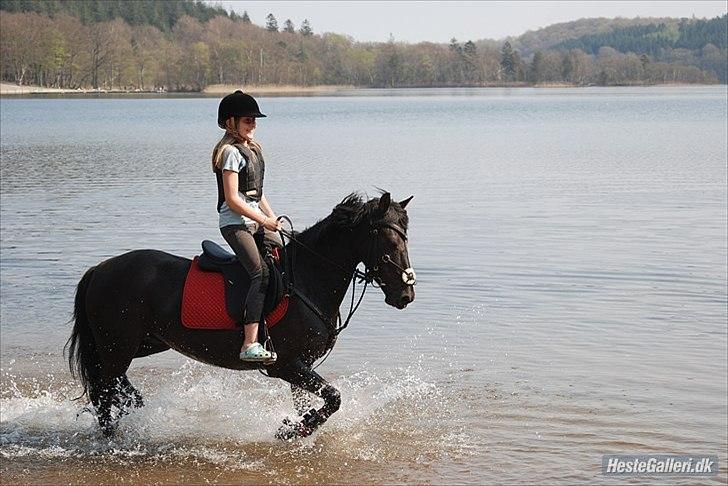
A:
255, 353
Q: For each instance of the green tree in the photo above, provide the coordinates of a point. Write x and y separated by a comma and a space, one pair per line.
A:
288, 26
469, 48
306, 29
271, 24
389, 65
470, 59
508, 62
567, 67
536, 73
196, 62
246, 17
644, 60
145, 43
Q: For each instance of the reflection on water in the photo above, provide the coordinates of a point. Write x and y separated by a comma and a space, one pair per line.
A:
570, 247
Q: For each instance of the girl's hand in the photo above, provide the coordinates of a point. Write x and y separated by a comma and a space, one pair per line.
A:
271, 224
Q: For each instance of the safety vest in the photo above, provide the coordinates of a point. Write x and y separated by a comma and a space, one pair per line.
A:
250, 179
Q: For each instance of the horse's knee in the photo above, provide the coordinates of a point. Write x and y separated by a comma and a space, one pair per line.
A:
332, 397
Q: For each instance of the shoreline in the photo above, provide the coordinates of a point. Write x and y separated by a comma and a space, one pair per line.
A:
10, 89
277, 89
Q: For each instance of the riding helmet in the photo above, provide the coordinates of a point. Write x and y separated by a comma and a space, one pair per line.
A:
237, 104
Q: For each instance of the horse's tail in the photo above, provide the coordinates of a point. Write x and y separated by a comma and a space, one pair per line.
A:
83, 359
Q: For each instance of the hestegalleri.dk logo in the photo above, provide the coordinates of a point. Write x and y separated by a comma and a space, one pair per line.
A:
662, 464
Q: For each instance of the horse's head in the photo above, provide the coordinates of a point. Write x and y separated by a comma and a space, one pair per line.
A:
381, 241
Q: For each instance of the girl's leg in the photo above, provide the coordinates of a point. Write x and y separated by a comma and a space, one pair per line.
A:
251, 334
242, 243
273, 237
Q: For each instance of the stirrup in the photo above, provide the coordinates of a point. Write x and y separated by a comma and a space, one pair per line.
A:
255, 353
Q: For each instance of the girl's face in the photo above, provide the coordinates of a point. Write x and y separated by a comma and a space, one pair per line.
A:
246, 127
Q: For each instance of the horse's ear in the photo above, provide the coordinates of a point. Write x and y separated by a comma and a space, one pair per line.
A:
384, 203
405, 202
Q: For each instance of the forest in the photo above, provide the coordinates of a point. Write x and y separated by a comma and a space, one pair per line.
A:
187, 45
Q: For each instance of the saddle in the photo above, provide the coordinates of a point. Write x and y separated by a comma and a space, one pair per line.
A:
216, 285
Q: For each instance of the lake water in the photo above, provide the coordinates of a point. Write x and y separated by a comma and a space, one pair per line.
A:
570, 246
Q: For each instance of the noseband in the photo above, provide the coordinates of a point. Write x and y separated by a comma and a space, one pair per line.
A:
373, 274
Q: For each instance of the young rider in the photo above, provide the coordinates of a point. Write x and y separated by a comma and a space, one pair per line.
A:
237, 161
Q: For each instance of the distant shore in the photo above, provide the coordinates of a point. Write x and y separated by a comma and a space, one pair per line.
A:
9, 89
276, 89
14, 89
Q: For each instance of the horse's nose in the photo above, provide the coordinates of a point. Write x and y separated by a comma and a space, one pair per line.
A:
406, 298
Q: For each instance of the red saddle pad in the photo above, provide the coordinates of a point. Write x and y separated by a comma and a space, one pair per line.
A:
203, 302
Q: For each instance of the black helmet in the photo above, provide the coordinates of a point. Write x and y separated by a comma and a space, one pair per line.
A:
237, 104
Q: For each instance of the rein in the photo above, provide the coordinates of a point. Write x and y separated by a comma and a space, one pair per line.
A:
357, 274
368, 276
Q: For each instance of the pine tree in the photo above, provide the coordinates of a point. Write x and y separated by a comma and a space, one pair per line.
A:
470, 62
508, 64
306, 29
567, 67
469, 49
288, 26
246, 17
644, 60
271, 24
537, 68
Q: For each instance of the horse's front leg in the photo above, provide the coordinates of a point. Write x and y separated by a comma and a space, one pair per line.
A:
302, 401
302, 376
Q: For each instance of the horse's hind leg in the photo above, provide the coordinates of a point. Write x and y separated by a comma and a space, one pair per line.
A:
129, 396
112, 399
104, 395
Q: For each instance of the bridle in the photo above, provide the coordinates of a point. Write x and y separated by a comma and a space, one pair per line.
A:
368, 276
372, 274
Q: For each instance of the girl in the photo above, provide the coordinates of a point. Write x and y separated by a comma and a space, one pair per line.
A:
237, 161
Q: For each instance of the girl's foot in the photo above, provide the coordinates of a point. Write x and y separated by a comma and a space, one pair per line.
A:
255, 353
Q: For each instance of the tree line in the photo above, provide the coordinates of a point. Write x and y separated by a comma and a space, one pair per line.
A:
161, 14
653, 38
186, 46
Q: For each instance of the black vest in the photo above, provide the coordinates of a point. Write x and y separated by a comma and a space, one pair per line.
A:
250, 179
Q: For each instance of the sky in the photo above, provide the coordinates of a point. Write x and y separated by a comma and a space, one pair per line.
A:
436, 21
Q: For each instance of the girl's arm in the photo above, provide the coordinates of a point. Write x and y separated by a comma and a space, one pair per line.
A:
266, 207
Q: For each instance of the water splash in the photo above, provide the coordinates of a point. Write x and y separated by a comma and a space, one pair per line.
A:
214, 416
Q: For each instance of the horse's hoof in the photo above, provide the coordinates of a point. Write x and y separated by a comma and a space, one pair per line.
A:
109, 431
293, 430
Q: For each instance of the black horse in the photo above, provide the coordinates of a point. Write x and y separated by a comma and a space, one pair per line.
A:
129, 306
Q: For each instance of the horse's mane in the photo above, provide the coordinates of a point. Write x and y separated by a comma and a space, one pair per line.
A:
350, 212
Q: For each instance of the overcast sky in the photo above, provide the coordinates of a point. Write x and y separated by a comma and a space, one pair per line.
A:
413, 21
